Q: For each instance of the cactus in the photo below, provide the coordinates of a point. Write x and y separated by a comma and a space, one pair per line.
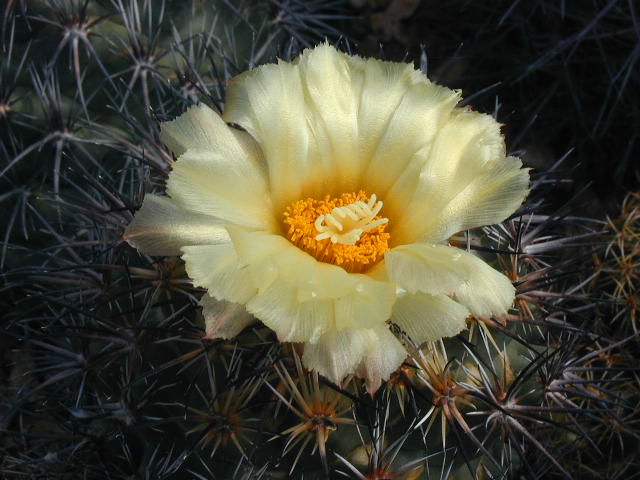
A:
616, 272
107, 369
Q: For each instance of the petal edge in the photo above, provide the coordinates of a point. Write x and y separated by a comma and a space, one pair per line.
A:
160, 227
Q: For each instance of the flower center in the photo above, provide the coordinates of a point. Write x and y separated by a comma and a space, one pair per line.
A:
345, 231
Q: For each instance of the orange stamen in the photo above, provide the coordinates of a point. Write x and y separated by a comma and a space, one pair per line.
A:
351, 233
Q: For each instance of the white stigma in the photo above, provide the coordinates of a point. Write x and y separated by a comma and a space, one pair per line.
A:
345, 224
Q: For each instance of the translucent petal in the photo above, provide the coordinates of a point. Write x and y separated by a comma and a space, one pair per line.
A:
201, 128
438, 269
216, 182
337, 353
384, 356
280, 309
467, 182
299, 297
420, 267
490, 198
303, 302
342, 122
384, 85
254, 247
416, 110
367, 302
426, 318
373, 353
215, 267
332, 92
161, 227
487, 293
223, 319
269, 103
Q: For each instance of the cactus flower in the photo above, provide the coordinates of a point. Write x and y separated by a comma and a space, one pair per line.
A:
321, 203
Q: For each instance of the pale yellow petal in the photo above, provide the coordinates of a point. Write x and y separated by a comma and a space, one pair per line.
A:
487, 293
466, 143
384, 85
215, 267
254, 247
372, 353
441, 269
466, 182
420, 267
223, 319
337, 353
216, 182
314, 279
305, 300
399, 113
426, 318
269, 103
342, 122
291, 299
490, 198
404, 145
304, 115
332, 93
384, 356
161, 227
200, 127
299, 297
368, 302
279, 307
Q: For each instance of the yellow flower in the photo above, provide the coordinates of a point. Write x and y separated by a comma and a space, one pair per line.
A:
327, 215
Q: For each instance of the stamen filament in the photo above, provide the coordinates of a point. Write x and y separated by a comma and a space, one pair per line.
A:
350, 222
361, 215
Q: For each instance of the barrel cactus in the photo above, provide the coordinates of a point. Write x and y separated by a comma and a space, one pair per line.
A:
112, 368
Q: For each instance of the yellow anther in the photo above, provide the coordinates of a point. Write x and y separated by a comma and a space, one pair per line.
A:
345, 231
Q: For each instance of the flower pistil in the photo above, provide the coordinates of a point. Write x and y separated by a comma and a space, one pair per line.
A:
345, 231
